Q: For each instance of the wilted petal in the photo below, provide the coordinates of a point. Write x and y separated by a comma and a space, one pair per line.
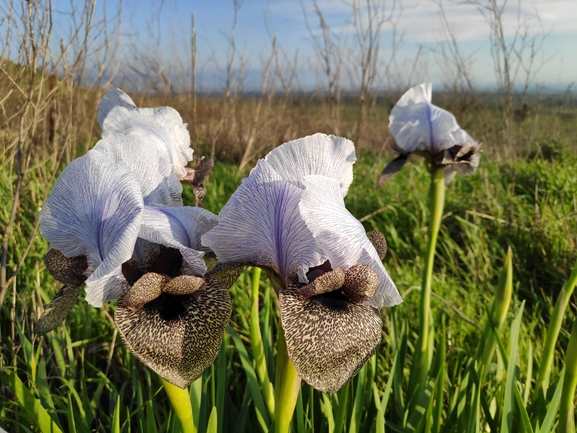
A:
180, 228
261, 225
328, 338
393, 167
317, 154
157, 179
57, 310
342, 237
178, 337
95, 209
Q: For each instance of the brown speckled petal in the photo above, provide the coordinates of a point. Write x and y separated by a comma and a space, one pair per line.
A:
178, 337
69, 271
227, 273
146, 289
325, 283
55, 312
360, 283
183, 285
379, 242
328, 338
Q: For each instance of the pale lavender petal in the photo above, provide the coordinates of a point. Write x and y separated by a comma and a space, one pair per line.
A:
341, 236
180, 228
410, 121
113, 98
95, 209
157, 179
261, 224
446, 131
317, 154
416, 124
170, 119
117, 114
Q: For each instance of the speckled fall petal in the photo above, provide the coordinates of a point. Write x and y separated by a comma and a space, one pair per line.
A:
57, 310
178, 337
328, 338
67, 270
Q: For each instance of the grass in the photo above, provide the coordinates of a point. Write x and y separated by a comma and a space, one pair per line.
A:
85, 380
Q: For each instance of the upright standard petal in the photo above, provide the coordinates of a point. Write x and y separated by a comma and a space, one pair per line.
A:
95, 209
261, 225
180, 228
342, 237
317, 154
118, 115
416, 124
113, 98
159, 184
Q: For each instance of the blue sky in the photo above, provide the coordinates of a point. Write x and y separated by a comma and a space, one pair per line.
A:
165, 25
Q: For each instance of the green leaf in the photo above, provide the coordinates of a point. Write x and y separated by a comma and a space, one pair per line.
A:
212, 426
32, 405
253, 385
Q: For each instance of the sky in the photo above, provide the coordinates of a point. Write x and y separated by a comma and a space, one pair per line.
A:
162, 28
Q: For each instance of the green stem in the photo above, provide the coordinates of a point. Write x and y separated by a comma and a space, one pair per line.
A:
436, 205
257, 344
553, 332
287, 386
566, 407
180, 400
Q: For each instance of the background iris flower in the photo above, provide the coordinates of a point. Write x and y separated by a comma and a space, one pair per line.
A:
419, 126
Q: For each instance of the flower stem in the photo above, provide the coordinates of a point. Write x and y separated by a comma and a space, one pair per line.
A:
553, 332
423, 352
180, 400
287, 386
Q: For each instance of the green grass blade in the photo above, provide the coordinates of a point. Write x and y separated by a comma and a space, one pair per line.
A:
116, 416
566, 406
327, 410
253, 384
342, 408
221, 383
32, 405
507, 415
355, 421
549, 420
553, 332
257, 344
212, 426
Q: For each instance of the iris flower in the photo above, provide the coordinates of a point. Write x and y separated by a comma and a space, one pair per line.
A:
116, 223
289, 218
421, 127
